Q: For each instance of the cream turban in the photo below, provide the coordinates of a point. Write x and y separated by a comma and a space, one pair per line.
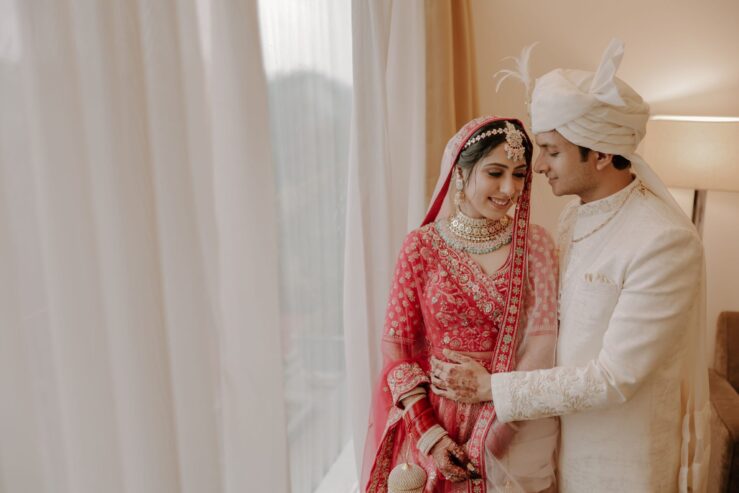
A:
594, 110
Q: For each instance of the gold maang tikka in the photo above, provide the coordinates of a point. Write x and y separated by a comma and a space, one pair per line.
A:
514, 138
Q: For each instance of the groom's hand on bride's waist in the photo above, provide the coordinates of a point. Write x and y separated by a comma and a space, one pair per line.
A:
463, 379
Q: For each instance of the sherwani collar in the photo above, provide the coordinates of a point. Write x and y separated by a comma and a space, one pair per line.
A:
589, 217
608, 204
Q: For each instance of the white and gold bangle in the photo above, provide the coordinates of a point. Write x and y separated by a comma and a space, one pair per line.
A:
419, 392
430, 438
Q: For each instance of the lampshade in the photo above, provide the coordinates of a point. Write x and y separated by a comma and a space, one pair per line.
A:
694, 152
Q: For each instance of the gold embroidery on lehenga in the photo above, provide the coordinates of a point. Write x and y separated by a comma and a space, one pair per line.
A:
465, 309
460, 274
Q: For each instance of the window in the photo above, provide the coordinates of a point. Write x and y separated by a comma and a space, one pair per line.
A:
307, 58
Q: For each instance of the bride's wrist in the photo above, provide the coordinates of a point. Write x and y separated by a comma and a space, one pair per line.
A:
430, 438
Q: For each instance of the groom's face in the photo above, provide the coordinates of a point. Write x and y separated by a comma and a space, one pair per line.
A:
560, 161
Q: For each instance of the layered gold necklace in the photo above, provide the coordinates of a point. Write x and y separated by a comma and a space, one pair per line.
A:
478, 236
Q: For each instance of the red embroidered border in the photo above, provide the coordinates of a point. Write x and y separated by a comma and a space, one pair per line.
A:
405, 377
503, 356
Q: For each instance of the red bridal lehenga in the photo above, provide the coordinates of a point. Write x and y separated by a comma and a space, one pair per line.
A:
441, 298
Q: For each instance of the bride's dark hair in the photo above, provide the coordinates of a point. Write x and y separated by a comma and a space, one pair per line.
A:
471, 155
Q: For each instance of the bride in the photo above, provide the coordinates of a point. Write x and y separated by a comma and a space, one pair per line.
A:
471, 282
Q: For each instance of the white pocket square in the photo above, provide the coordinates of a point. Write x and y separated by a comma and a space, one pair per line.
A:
598, 278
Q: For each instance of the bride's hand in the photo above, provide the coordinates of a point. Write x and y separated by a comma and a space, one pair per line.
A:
447, 457
466, 380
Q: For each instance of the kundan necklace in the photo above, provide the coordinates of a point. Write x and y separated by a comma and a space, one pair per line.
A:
478, 236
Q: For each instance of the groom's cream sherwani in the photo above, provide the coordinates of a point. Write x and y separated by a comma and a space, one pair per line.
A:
628, 299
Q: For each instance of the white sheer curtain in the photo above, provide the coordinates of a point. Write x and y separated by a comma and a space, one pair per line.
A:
139, 316
385, 197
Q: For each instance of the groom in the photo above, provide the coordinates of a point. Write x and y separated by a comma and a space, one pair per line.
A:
629, 384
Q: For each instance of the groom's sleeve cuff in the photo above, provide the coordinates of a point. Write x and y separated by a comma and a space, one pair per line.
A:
500, 384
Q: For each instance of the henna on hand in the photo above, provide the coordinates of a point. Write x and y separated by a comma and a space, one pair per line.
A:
449, 458
464, 381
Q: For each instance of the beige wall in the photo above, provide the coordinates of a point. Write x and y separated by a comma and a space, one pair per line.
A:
681, 56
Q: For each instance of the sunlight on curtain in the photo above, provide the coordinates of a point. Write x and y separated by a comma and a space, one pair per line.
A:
307, 57
139, 312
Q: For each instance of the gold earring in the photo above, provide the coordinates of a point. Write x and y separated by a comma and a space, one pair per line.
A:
459, 185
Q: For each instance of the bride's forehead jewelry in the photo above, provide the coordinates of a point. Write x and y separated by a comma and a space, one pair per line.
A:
514, 139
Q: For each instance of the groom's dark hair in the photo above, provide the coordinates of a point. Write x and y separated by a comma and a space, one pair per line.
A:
619, 162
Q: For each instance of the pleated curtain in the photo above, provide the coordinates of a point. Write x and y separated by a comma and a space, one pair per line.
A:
139, 311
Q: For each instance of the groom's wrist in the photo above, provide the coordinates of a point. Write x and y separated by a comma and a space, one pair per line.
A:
500, 388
